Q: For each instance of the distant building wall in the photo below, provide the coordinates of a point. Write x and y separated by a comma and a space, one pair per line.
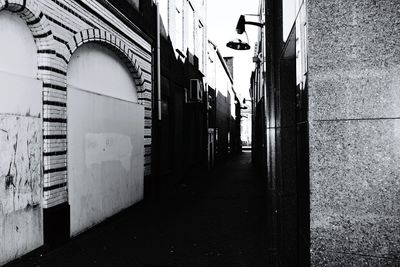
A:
229, 64
225, 103
246, 125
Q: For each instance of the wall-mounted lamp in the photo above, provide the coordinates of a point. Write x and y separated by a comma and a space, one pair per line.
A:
237, 43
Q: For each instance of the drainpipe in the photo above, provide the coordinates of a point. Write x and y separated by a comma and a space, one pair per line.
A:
205, 71
158, 62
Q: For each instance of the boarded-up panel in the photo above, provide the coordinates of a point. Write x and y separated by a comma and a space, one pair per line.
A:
105, 156
21, 223
21, 226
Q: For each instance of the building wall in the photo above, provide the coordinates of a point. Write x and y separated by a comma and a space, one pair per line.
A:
354, 61
280, 146
58, 29
331, 98
184, 23
290, 10
181, 132
68, 34
229, 64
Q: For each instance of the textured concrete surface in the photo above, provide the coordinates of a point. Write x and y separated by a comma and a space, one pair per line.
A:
354, 59
354, 96
216, 219
332, 259
355, 187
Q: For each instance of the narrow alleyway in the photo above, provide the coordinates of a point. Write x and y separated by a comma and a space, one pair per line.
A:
218, 220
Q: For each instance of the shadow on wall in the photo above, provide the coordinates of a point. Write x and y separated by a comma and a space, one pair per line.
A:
181, 134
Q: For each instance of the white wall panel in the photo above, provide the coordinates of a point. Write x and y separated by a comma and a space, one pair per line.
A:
105, 156
20, 95
18, 50
91, 67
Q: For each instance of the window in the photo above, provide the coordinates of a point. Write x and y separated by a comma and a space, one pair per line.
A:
134, 3
179, 25
163, 5
190, 26
301, 45
200, 45
289, 10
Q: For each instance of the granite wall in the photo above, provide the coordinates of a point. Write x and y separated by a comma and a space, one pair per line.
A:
354, 115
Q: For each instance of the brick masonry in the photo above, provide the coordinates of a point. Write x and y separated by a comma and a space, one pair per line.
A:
59, 28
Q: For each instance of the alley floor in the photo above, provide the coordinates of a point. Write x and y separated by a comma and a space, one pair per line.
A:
217, 219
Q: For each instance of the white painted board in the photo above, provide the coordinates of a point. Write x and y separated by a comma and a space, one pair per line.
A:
105, 156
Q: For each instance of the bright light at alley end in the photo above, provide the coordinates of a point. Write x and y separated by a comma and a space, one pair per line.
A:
237, 44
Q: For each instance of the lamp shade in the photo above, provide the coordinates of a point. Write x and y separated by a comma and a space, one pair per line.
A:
238, 44
240, 27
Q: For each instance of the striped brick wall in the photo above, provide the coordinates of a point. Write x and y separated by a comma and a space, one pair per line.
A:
59, 28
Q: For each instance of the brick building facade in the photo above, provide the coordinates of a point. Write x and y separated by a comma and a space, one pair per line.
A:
36, 136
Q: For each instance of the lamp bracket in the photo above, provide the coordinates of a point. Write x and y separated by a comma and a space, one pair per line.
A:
259, 24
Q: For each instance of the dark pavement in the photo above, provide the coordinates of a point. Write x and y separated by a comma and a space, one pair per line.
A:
218, 219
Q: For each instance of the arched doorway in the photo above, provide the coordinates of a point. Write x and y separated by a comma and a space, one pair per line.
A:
21, 223
105, 137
